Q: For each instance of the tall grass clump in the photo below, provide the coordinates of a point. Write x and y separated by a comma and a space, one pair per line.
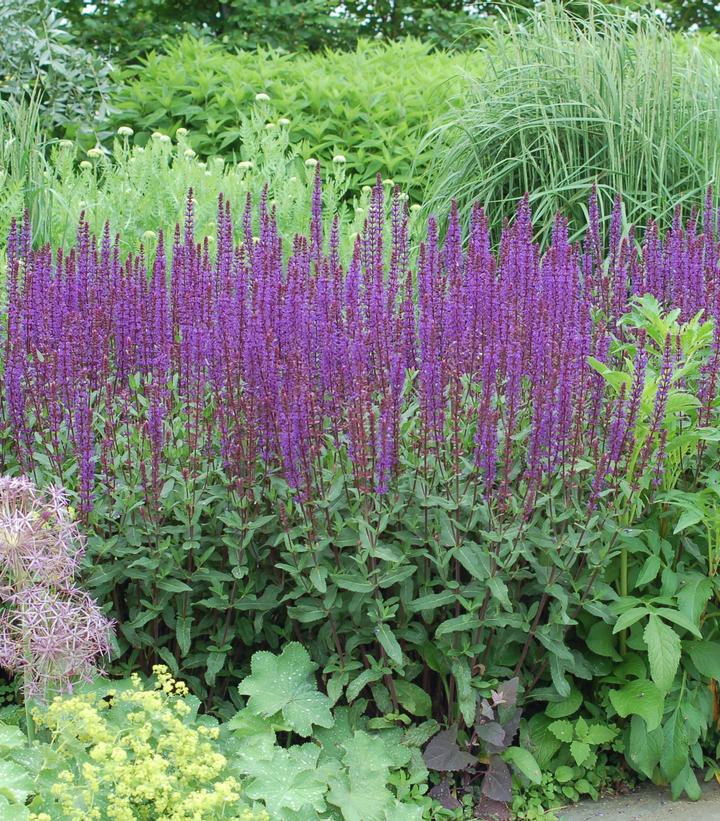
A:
614, 100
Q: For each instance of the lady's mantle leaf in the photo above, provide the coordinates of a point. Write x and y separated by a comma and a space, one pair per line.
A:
285, 684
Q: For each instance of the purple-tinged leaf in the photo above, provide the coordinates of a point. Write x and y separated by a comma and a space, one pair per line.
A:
442, 794
443, 753
497, 783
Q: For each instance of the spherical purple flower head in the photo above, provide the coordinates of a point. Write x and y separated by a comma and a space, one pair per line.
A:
53, 638
39, 542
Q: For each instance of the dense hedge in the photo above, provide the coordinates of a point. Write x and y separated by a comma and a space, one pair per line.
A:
372, 105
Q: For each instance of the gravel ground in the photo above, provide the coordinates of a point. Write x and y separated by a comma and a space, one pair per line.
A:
649, 803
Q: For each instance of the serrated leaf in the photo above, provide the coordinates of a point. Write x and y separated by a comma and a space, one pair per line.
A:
579, 750
291, 779
663, 645
285, 684
562, 730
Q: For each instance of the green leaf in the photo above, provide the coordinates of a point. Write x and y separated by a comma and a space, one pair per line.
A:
468, 621
291, 779
11, 737
579, 750
413, 698
600, 640
678, 618
566, 707
599, 734
642, 698
675, 753
285, 684
644, 749
474, 559
525, 762
649, 571
562, 730
663, 645
389, 643
705, 656
467, 697
629, 617
15, 782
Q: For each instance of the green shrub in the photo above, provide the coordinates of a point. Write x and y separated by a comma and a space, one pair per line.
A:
371, 105
41, 56
565, 103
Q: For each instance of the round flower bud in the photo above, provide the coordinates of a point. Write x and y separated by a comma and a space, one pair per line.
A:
66, 143
245, 165
164, 138
85, 164
95, 152
415, 207
148, 235
262, 97
366, 189
156, 135
283, 121
311, 162
388, 182
125, 131
181, 132
339, 159
189, 153
270, 126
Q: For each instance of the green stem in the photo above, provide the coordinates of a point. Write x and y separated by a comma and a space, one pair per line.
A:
623, 592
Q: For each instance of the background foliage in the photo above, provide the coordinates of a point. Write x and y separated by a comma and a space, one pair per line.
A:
336, 103
565, 104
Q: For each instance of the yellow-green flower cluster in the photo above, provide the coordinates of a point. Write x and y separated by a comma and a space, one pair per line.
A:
143, 756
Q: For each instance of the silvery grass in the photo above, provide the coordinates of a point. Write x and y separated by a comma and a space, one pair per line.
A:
614, 100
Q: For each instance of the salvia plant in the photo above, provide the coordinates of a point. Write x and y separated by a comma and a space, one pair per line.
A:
51, 632
440, 467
